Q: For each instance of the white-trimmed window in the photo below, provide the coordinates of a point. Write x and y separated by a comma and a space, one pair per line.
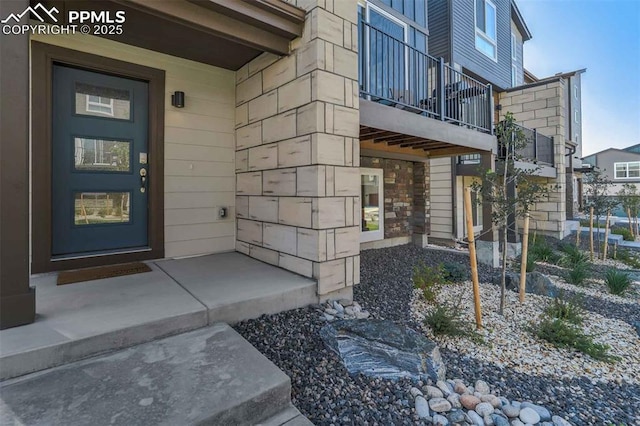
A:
577, 116
514, 47
486, 28
514, 75
575, 92
627, 170
371, 204
100, 105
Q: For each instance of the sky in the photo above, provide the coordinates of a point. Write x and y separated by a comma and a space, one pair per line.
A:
604, 37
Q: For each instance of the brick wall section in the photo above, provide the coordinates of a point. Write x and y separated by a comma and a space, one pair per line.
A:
543, 108
405, 195
297, 151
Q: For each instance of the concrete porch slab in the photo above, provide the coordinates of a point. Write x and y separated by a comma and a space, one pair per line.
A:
208, 376
231, 296
84, 319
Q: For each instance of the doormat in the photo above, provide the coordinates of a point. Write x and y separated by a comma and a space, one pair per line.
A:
69, 277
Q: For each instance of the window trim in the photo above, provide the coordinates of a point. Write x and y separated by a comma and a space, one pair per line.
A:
480, 33
405, 32
514, 75
576, 113
366, 236
94, 106
626, 163
514, 46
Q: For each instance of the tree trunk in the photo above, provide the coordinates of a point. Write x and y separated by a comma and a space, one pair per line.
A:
630, 222
503, 283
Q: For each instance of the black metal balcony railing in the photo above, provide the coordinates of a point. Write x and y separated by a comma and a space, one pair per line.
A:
395, 74
539, 148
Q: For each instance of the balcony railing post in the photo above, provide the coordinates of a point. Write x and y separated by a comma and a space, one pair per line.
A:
535, 144
553, 153
490, 108
440, 89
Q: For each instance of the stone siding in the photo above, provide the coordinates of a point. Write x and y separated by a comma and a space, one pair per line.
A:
297, 151
543, 108
406, 197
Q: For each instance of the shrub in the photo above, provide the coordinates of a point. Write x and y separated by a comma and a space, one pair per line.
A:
531, 262
577, 274
573, 255
543, 252
617, 281
564, 334
565, 310
428, 279
454, 272
626, 234
445, 320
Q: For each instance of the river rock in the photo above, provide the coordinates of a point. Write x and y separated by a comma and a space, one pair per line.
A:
422, 407
475, 419
517, 422
433, 392
456, 416
338, 307
381, 348
469, 401
511, 411
440, 420
415, 392
544, 414
491, 399
529, 415
559, 421
444, 387
498, 420
460, 388
484, 408
454, 399
482, 387
439, 405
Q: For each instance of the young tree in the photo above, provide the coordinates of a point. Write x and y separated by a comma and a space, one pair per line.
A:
597, 186
630, 202
496, 188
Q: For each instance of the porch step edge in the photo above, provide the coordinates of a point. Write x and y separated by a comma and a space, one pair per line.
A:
211, 375
58, 354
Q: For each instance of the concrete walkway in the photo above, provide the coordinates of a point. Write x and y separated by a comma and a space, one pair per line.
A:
75, 321
208, 376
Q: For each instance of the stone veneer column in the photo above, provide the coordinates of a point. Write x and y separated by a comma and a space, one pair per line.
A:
543, 107
298, 153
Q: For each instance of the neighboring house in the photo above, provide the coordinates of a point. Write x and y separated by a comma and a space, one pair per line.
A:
485, 39
620, 166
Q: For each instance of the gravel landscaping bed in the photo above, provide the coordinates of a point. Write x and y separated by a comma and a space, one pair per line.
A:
324, 391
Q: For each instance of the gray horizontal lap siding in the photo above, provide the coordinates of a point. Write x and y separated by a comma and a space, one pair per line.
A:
439, 33
464, 42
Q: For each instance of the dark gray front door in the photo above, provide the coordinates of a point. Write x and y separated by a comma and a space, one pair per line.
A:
100, 173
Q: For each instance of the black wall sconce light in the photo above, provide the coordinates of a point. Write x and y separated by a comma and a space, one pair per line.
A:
499, 107
177, 99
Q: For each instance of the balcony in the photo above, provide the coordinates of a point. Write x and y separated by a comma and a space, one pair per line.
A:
394, 74
538, 153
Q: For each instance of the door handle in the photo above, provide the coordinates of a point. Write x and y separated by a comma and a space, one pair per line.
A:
143, 180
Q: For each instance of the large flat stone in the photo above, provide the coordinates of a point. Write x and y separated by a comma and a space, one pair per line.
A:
210, 375
382, 348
